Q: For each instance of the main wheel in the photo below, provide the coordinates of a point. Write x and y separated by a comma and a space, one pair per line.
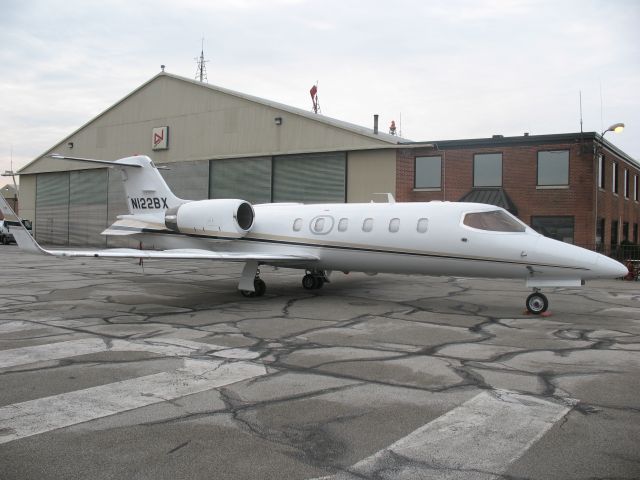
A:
260, 287
318, 282
309, 282
248, 293
537, 303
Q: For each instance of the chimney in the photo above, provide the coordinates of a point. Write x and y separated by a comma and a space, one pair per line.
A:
375, 124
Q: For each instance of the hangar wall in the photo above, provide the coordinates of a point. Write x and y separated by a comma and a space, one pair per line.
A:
221, 144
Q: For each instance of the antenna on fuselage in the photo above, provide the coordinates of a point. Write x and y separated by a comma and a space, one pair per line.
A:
389, 195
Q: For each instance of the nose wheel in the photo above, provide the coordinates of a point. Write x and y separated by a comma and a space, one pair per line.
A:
537, 303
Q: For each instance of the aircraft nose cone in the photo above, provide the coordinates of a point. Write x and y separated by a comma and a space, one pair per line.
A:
610, 268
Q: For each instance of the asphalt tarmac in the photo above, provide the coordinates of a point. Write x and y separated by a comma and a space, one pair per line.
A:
112, 370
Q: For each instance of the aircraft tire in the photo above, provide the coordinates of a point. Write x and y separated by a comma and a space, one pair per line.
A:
537, 303
308, 282
260, 287
248, 293
318, 282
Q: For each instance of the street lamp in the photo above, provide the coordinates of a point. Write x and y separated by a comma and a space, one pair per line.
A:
616, 127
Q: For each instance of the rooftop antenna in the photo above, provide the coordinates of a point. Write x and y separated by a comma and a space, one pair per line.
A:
580, 112
201, 70
314, 98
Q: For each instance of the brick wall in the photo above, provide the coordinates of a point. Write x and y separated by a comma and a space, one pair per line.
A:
519, 180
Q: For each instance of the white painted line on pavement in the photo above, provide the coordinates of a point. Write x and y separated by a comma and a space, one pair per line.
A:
173, 347
477, 440
50, 413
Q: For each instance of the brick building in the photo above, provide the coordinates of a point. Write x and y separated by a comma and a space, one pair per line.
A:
575, 187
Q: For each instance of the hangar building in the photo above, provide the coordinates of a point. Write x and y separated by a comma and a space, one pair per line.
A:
217, 143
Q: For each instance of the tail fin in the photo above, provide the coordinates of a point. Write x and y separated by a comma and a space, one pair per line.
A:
146, 190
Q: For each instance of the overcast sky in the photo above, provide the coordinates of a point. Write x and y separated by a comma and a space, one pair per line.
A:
450, 69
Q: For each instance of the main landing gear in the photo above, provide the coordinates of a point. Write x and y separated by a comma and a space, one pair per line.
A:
259, 288
251, 285
537, 303
314, 279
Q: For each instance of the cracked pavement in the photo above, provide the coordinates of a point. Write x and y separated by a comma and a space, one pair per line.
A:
344, 372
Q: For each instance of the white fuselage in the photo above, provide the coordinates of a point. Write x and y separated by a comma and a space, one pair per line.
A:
410, 238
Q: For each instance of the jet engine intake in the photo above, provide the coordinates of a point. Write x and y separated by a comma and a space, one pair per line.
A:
225, 217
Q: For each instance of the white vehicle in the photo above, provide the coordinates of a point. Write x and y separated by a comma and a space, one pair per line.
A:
434, 238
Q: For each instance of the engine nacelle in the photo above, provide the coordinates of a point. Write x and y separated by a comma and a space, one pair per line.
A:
231, 218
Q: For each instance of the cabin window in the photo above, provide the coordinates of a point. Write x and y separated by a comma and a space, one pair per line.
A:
343, 224
318, 225
367, 225
423, 225
494, 221
321, 225
297, 224
394, 225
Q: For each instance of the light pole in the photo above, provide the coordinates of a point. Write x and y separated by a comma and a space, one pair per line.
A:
616, 128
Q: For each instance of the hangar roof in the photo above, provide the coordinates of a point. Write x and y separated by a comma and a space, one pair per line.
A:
366, 135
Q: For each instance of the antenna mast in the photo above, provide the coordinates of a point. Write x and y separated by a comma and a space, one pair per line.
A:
201, 70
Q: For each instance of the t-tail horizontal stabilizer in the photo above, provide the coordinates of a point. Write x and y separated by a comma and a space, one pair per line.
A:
146, 190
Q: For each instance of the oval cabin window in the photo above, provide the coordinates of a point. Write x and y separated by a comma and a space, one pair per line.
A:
343, 224
321, 225
367, 225
423, 225
394, 225
297, 224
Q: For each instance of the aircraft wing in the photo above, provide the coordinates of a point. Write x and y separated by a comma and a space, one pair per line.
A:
181, 254
27, 243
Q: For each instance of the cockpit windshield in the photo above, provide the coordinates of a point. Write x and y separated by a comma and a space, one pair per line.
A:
494, 221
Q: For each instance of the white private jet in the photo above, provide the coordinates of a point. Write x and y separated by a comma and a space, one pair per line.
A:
434, 238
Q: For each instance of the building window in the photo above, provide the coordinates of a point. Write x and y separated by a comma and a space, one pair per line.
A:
614, 178
423, 225
625, 231
600, 232
558, 228
614, 233
394, 225
553, 168
635, 233
626, 183
601, 172
635, 188
487, 170
428, 172
367, 225
343, 224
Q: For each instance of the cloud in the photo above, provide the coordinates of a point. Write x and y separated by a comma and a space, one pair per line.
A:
453, 69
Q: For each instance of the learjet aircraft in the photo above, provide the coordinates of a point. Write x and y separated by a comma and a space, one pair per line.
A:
432, 238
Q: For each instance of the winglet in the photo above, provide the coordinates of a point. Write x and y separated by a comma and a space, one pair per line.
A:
21, 235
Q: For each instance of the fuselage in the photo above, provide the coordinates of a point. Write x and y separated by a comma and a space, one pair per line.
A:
434, 238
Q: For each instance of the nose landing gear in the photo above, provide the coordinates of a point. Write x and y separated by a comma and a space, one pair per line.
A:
537, 303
